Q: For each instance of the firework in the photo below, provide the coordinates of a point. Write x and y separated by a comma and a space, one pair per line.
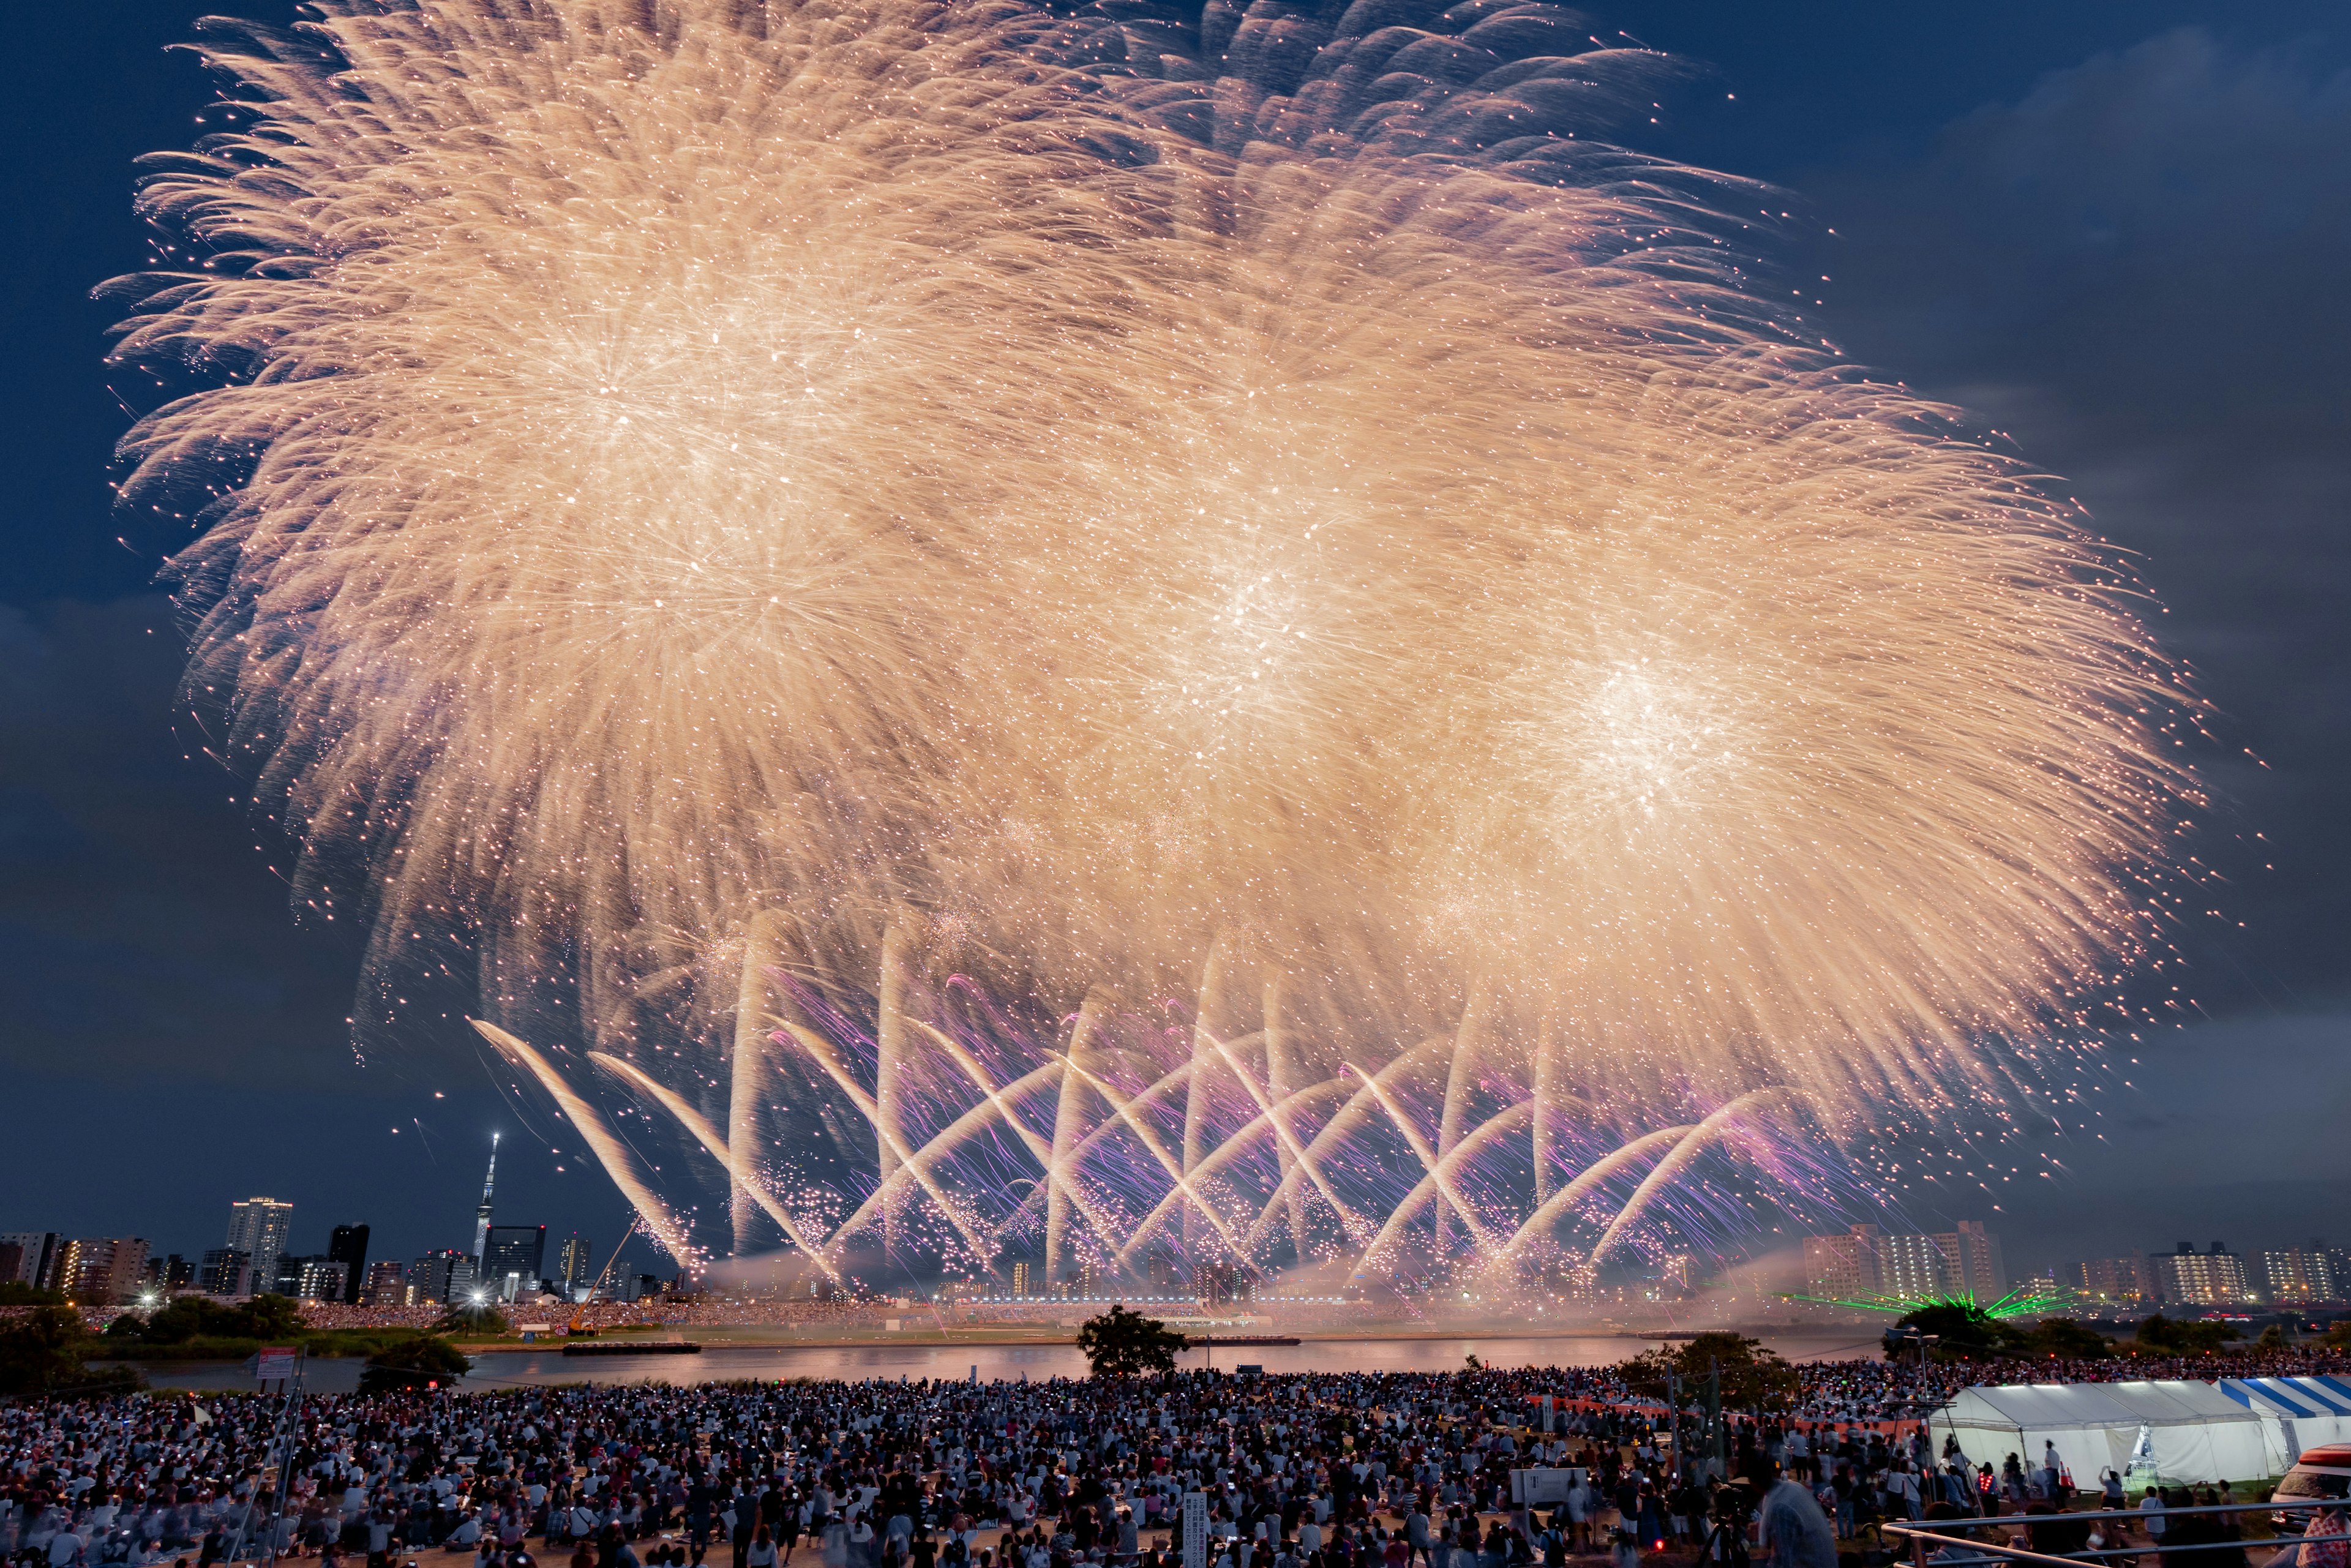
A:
739, 517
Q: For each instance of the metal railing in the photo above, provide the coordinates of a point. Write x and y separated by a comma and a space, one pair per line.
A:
1965, 1554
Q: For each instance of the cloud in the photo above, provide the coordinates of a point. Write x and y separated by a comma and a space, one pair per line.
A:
2135, 271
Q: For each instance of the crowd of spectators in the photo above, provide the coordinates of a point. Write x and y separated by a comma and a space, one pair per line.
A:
1904, 1390
1321, 1470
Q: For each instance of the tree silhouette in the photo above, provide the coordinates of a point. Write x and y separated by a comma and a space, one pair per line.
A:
1120, 1343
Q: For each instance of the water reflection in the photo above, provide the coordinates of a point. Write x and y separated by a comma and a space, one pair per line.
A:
723, 1363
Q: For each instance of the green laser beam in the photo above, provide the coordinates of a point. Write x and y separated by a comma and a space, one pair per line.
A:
2016, 1303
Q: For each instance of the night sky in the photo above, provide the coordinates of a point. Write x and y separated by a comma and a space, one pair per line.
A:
2116, 233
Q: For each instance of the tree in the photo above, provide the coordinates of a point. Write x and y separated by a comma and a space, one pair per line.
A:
41, 1350
2065, 1338
178, 1320
476, 1318
1120, 1343
417, 1362
2159, 1336
1961, 1330
265, 1317
184, 1318
1753, 1378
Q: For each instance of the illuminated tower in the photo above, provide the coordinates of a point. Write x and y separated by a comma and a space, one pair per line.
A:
482, 1215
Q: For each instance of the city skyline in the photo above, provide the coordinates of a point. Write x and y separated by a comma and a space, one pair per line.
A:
156, 973
1867, 1261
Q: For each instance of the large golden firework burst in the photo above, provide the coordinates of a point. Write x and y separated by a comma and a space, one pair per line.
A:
703, 501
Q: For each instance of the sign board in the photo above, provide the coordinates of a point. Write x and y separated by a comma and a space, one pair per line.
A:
1542, 1486
1549, 1412
1195, 1530
275, 1361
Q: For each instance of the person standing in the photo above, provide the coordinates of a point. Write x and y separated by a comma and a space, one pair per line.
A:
1902, 1488
1792, 1530
743, 1524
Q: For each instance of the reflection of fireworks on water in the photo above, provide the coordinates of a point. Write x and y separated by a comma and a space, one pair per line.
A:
731, 516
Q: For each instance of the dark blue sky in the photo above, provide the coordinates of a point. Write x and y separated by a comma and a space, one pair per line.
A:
2114, 231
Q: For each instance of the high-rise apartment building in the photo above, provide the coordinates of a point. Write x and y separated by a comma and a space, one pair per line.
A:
225, 1272
576, 1263
1977, 1268
1843, 1267
1219, 1283
2300, 1276
386, 1284
2193, 1278
1020, 1278
1912, 1268
1867, 1262
35, 1260
2114, 1281
99, 1271
347, 1245
440, 1278
512, 1258
314, 1277
259, 1227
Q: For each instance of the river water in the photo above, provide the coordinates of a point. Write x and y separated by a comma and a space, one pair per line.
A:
725, 1362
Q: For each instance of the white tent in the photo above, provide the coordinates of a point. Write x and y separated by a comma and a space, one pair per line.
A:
2239, 1429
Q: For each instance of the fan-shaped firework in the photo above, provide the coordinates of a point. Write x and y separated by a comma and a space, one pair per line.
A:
742, 509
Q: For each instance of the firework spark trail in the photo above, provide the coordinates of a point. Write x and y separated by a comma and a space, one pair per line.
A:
1210, 503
